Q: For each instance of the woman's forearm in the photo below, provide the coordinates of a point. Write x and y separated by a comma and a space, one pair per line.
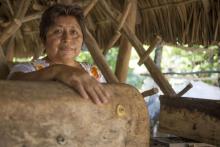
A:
48, 73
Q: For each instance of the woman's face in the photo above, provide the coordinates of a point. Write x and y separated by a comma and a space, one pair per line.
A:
64, 39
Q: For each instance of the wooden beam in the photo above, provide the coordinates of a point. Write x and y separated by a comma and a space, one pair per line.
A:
31, 17
150, 92
123, 18
152, 68
99, 59
186, 89
24, 5
89, 7
10, 7
125, 47
10, 30
153, 45
191, 118
166, 5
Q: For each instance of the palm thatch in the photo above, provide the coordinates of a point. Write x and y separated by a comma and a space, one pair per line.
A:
176, 21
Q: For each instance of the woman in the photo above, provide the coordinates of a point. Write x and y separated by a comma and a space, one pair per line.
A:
62, 32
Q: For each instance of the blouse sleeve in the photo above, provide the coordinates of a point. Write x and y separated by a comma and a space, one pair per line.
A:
25, 68
94, 72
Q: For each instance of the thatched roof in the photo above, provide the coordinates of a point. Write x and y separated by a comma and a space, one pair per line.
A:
183, 21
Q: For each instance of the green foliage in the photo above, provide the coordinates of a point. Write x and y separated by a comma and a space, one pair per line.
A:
85, 56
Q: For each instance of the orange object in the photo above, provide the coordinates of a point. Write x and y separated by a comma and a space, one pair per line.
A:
95, 72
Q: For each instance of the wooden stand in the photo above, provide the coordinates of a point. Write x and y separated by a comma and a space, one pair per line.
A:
192, 118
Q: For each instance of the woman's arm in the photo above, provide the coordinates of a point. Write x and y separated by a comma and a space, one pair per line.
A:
76, 78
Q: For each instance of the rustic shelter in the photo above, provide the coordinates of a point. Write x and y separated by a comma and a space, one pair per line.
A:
124, 23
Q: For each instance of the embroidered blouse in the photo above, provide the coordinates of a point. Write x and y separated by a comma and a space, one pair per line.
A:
39, 64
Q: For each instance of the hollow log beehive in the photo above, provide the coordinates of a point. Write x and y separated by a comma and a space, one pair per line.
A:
50, 114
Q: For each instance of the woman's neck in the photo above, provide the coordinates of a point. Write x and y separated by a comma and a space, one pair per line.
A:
71, 62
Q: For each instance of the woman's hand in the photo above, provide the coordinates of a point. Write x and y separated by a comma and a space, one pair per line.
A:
83, 83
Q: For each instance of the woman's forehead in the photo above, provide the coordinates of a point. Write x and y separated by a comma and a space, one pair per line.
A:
66, 21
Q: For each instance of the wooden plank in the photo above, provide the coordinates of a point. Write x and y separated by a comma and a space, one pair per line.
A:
152, 68
193, 118
56, 115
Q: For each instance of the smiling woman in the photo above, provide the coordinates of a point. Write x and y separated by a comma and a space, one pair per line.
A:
62, 33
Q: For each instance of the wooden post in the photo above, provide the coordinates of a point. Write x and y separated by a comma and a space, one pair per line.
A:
125, 46
152, 68
99, 58
191, 118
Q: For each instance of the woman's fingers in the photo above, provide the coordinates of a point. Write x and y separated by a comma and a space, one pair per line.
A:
93, 95
82, 91
100, 92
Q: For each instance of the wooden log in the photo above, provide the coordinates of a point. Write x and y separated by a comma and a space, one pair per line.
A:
10, 30
56, 115
99, 59
191, 118
152, 68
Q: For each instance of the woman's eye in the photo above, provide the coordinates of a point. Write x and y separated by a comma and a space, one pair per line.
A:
58, 31
74, 33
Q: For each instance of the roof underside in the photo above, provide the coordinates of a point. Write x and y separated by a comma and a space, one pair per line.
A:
183, 21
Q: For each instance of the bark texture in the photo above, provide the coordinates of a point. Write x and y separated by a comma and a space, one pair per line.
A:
50, 114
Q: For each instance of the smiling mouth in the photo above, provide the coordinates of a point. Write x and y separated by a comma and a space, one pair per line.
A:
67, 49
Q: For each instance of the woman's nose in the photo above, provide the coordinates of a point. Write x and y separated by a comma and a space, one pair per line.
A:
66, 36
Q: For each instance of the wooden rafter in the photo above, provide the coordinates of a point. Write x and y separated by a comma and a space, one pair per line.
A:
152, 68
117, 35
99, 59
89, 7
124, 53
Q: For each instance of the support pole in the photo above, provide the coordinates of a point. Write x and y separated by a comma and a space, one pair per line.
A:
152, 68
99, 59
125, 47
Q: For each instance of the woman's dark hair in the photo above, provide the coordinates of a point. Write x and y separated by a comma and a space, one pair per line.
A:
57, 10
